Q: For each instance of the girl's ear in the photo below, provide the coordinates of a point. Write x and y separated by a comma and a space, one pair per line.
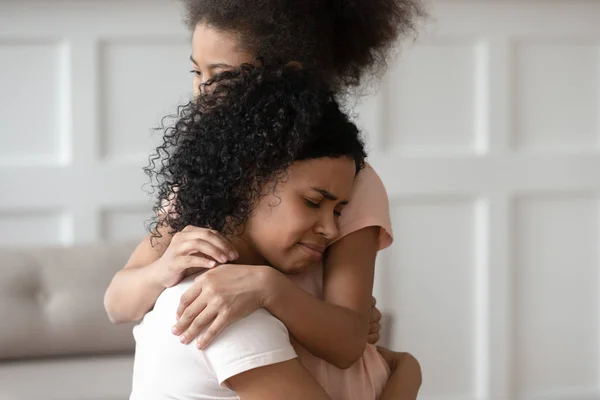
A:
294, 64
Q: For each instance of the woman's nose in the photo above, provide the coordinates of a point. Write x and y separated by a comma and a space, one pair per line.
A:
327, 227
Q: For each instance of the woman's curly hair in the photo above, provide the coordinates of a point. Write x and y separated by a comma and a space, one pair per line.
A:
346, 39
231, 145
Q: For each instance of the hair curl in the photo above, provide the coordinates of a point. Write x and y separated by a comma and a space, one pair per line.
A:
346, 39
231, 145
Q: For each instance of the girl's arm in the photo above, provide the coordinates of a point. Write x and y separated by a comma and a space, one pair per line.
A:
134, 289
159, 263
335, 328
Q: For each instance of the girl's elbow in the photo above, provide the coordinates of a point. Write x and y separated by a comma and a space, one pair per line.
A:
115, 318
115, 313
119, 318
351, 356
345, 363
112, 313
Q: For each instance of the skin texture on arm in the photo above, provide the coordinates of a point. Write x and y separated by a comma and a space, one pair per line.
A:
406, 377
134, 289
286, 380
161, 262
335, 329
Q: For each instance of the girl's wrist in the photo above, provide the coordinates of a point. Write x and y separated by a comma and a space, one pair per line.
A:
270, 281
154, 276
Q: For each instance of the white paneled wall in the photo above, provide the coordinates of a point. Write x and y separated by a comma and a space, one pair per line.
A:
83, 83
486, 132
486, 136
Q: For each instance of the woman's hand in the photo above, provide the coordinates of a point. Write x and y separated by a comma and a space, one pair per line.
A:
374, 323
192, 249
218, 298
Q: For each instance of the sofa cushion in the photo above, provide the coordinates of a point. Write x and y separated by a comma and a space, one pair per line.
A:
51, 301
90, 378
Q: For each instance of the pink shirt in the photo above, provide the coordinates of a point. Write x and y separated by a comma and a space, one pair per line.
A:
365, 380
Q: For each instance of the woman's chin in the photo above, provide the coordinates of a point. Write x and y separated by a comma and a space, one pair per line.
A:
297, 267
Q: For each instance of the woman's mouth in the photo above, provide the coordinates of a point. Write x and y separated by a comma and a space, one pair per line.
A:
315, 251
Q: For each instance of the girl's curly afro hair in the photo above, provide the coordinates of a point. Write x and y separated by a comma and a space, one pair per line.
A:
231, 145
346, 39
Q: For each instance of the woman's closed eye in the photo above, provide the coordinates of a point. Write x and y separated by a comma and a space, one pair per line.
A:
313, 204
196, 72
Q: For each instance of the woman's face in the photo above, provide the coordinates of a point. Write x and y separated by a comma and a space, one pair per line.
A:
291, 227
214, 51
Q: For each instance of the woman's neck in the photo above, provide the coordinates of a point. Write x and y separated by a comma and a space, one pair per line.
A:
249, 255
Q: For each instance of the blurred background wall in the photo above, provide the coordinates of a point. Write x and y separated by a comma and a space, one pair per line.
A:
485, 132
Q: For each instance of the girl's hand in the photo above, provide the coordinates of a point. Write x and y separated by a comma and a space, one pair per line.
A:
192, 249
374, 324
218, 298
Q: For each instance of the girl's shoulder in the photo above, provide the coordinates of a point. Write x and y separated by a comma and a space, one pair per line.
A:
368, 206
368, 178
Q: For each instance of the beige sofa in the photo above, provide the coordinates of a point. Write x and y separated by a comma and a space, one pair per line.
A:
56, 342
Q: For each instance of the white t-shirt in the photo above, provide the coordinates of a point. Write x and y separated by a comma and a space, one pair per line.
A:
166, 369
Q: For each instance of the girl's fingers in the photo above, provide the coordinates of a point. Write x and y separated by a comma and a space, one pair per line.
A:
220, 322
193, 261
199, 324
215, 238
374, 328
373, 338
204, 247
375, 315
191, 296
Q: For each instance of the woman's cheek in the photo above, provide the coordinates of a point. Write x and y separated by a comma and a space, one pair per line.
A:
304, 219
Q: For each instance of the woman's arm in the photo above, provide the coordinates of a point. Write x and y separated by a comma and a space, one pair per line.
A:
156, 265
287, 380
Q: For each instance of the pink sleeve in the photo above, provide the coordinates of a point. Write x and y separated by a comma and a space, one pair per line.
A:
368, 206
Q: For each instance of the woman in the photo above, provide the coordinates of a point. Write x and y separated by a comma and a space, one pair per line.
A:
267, 160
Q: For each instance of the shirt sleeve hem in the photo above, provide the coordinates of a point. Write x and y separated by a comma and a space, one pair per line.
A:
385, 237
255, 361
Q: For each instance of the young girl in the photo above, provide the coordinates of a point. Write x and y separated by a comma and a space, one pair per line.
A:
346, 40
268, 160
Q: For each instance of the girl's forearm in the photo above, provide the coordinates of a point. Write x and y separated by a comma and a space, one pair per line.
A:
336, 334
131, 294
